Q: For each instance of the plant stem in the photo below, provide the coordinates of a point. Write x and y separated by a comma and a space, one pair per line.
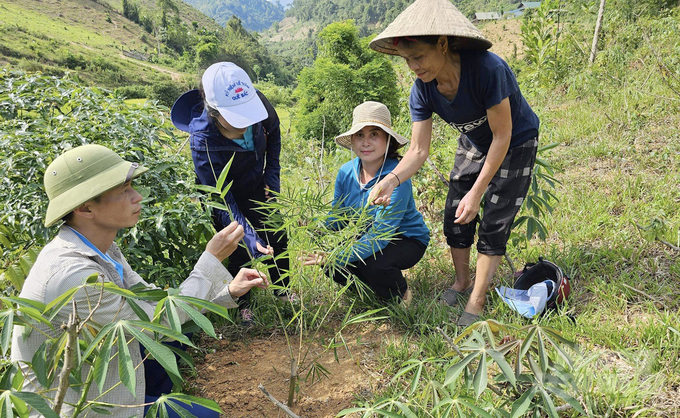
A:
71, 328
293, 382
283, 407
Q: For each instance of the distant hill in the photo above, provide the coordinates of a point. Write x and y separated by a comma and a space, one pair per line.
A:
108, 45
256, 15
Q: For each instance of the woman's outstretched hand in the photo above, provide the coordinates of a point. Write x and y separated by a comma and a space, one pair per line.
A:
313, 259
382, 192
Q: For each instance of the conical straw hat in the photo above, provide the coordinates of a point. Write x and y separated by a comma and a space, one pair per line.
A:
431, 17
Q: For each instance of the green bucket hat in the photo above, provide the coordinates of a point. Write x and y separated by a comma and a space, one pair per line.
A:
81, 174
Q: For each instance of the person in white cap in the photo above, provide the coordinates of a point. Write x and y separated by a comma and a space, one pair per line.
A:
475, 92
90, 189
227, 118
376, 259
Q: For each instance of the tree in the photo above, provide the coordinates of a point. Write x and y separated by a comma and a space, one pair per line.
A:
345, 74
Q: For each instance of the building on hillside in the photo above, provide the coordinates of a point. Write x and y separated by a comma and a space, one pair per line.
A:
483, 16
520, 10
529, 5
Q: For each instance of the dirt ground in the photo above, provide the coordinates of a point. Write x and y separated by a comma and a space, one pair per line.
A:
231, 375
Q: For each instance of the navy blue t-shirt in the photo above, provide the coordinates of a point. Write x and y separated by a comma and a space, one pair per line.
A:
485, 80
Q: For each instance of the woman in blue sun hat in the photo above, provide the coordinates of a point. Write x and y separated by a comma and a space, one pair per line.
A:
228, 118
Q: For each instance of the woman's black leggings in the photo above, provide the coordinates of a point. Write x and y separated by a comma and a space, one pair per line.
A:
382, 271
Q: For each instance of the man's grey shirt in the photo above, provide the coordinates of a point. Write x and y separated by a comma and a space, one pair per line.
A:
65, 263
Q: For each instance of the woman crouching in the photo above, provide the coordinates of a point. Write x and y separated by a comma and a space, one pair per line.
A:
376, 259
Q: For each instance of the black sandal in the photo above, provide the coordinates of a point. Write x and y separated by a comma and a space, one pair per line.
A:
451, 296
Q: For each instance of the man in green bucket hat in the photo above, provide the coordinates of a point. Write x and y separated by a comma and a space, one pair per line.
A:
89, 188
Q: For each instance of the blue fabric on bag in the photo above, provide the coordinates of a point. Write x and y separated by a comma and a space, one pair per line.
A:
117, 265
195, 409
530, 302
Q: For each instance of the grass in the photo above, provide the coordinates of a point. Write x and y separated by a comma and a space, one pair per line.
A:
619, 170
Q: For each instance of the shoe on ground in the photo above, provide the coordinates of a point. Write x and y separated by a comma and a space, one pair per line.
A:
466, 319
452, 297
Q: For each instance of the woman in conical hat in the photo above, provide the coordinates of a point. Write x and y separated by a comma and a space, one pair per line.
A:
475, 92
376, 261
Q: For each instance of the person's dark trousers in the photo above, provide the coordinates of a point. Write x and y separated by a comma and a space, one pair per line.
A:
382, 271
248, 205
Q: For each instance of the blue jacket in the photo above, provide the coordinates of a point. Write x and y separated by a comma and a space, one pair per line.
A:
400, 218
249, 171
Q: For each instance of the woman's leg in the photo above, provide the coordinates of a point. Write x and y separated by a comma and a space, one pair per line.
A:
460, 237
382, 271
502, 201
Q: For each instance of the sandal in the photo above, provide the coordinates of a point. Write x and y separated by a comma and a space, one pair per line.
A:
466, 319
451, 296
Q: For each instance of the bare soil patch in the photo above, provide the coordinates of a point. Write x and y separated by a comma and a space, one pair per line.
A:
231, 374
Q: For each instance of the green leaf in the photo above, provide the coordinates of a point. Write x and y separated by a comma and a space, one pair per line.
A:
37, 402
204, 304
567, 398
188, 399
504, 366
481, 377
141, 313
223, 174
171, 315
101, 365
472, 405
161, 353
548, 404
54, 307
226, 190
521, 405
198, 318
126, 370
161, 329
16, 276
454, 371
6, 333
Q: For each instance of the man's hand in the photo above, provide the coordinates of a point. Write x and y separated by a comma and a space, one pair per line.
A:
313, 259
245, 280
468, 208
267, 192
268, 250
223, 243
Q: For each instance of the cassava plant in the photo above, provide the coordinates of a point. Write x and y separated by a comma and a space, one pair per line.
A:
498, 371
78, 354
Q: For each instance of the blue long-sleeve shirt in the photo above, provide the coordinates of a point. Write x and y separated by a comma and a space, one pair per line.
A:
250, 170
400, 218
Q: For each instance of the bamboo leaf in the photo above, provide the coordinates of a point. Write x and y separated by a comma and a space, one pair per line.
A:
223, 174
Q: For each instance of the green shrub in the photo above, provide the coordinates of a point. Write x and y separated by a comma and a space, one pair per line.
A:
134, 91
165, 92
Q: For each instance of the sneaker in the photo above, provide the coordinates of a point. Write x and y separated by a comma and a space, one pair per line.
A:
247, 317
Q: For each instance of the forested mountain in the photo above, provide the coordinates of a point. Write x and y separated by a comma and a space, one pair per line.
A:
370, 13
256, 15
